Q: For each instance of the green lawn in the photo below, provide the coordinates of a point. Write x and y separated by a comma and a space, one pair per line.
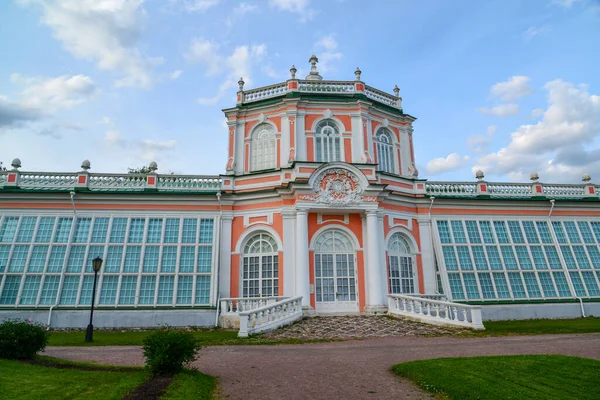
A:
507, 377
191, 384
540, 326
23, 381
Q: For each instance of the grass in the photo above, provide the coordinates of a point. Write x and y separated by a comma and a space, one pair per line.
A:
539, 327
506, 377
23, 381
191, 384
212, 337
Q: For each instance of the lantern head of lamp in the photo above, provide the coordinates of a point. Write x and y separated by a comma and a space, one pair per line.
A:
97, 264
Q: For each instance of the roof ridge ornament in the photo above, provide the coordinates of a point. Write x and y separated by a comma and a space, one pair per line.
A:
314, 74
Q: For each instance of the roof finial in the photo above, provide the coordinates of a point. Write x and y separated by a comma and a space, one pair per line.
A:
534, 176
314, 74
241, 84
293, 71
586, 178
16, 164
85, 165
357, 73
396, 91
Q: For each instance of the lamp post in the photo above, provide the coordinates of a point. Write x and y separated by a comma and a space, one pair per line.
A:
96, 264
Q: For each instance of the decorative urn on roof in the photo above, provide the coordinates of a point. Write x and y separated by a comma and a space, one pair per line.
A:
314, 74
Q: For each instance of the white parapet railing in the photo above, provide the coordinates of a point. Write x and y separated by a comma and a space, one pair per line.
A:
235, 305
383, 97
271, 316
509, 190
326, 87
435, 311
454, 189
265, 92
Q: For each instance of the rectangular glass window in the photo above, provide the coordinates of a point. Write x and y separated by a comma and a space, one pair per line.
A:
450, 258
85, 298
113, 259
561, 284
165, 289
204, 258
577, 283
473, 231
19, 257
49, 289
189, 231
510, 262
69, 289
31, 287
501, 232
184, 290
517, 285
584, 228
117, 232
594, 256
132, 259
100, 230
458, 232
128, 288
108, 293
44, 232
547, 285
471, 286
38, 258
76, 257
532, 285
486, 232
538, 257
465, 258
202, 289
172, 230
559, 232
169, 259
553, 258
136, 230
4, 252
95, 251
26, 229
11, 289
82, 230
154, 230
487, 288
501, 286
151, 259
523, 256
568, 256
515, 232
581, 257
544, 231
56, 262
8, 229
572, 232
206, 231
147, 289
186, 259
590, 283
479, 258
530, 232
444, 231
494, 257
63, 230
596, 229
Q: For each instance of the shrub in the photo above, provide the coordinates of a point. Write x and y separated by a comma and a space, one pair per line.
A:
22, 339
168, 351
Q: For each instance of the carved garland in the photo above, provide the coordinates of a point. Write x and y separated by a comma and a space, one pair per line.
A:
337, 188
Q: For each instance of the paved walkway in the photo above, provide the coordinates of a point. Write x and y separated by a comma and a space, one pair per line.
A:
338, 370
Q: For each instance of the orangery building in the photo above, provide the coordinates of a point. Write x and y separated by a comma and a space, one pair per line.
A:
320, 210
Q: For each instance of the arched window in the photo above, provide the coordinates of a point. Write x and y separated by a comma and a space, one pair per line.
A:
264, 148
385, 150
328, 142
260, 267
401, 265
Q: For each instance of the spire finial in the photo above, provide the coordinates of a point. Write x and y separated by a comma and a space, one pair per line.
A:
357, 73
314, 74
396, 91
241, 84
293, 71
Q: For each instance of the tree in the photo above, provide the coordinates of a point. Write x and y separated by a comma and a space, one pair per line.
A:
143, 170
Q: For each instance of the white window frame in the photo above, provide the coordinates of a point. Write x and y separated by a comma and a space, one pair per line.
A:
385, 150
328, 141
263, 154
261, 249
402, 255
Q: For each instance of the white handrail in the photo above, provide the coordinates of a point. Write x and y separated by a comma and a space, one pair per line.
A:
271, 316
435, 311
235, 305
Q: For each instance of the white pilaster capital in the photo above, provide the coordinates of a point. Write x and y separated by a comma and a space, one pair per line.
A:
302, 211
288, 214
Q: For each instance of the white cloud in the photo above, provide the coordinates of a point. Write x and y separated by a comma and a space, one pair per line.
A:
538, 112
143, 150
244, 8
533, 31
300, 7
449, 163
51, 94
205, 52
559, 147
565, 3
175, 74
200, 5
103, 31
511, 90
479, 143
502, 110
328, 53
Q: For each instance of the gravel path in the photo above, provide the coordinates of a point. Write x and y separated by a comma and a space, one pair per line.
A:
338, 370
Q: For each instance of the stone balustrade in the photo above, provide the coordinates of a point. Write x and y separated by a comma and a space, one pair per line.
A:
264, 92
383, 97
109, 182
452, 189
510, 190
326, 87
235, 305
435, 311
270, 316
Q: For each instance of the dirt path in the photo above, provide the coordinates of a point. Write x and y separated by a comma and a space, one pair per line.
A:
339, 370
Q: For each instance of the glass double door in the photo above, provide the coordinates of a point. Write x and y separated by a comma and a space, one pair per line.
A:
335, 282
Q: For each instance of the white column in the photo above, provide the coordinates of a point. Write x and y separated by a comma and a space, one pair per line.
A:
289, 244
426, 255
225, 256
374, 264
302, 265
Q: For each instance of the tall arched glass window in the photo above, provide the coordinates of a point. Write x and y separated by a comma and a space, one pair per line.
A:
264, 148
260, 267
401, 265
328, 142
385, 150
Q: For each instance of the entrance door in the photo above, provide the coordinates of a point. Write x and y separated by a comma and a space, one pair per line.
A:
335, 273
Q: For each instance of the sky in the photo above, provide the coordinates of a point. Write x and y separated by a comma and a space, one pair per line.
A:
504, 86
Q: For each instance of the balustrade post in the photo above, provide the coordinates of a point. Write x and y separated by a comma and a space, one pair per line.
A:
13, 179
243, 326
476, 319
464, 313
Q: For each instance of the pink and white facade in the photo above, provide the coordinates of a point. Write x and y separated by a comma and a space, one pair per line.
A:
320, 200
